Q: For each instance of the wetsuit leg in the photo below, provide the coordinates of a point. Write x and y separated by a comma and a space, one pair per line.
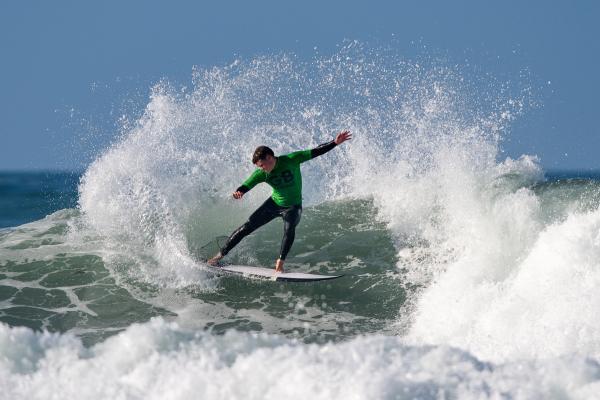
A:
265, 213
291, 218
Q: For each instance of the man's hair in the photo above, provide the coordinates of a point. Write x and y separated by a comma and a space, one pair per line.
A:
261, 153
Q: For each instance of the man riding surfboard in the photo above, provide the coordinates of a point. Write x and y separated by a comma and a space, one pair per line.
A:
282, 173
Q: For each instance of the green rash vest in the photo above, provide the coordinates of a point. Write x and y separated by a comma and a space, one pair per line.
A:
285, 178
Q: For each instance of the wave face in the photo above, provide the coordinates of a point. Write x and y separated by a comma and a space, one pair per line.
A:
444, 240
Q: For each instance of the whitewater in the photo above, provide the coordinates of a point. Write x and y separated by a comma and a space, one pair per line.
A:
468, 274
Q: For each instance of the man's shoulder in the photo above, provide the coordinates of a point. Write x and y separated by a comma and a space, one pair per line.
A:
285, 158
257, 174
297, 156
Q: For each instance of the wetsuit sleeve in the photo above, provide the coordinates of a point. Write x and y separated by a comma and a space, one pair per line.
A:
257, 177
322, 149
305, 155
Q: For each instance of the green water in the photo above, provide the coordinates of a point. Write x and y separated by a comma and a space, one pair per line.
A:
52, 279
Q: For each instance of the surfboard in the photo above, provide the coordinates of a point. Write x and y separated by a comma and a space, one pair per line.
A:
247, 271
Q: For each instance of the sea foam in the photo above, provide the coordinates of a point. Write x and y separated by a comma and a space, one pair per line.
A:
159, 360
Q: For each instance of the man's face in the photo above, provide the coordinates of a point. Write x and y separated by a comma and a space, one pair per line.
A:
267, 164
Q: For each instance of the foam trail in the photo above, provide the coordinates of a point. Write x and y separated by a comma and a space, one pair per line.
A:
160, 360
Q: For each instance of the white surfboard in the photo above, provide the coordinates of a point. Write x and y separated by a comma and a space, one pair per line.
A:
270, 274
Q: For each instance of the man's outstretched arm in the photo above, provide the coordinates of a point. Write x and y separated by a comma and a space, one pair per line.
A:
325, 147
305, 155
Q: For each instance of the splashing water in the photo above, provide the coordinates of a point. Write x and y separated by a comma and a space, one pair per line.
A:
485, 254
167, 183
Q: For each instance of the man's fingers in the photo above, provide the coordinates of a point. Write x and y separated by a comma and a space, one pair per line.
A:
343, 136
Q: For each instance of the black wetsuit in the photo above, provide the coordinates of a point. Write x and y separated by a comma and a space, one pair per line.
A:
285, 201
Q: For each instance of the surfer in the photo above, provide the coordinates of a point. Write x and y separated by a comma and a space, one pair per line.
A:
282, 173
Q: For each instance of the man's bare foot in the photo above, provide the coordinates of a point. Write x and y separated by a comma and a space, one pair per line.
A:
279, 265
215, 260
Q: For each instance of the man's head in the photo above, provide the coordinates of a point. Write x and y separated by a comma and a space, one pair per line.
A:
264, 158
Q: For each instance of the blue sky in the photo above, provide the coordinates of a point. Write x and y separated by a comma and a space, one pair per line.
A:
69, 68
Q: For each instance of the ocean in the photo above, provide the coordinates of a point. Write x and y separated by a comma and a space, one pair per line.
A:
467, 274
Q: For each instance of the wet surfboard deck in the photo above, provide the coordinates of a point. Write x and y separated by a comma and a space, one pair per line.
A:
247, 271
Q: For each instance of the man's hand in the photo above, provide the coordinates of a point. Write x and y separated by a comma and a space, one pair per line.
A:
238, 195
342, 137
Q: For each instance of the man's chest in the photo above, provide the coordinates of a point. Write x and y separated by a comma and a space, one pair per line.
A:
286, 176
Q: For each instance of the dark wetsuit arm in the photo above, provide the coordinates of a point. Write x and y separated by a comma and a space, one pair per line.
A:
305, 155
322, 149
242, 189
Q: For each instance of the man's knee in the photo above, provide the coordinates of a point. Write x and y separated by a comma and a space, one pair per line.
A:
292, 218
